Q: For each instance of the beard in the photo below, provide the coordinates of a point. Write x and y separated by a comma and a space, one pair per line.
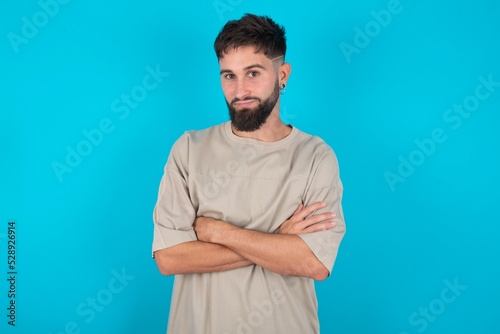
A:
251, 119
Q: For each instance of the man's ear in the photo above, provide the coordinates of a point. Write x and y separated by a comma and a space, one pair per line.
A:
284, 72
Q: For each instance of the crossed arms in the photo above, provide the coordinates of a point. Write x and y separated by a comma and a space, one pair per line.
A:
223, 246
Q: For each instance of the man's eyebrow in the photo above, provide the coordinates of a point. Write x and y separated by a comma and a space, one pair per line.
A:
255, 65
246, 68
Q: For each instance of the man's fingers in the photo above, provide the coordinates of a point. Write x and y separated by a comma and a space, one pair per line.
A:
320, 227
299, 208
304, 220
310, 209
316, 219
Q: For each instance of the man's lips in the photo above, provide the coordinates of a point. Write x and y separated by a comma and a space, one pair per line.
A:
244, 103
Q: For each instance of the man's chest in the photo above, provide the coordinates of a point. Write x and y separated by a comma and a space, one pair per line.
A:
251, 189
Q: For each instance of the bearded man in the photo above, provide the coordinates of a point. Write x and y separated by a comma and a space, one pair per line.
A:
249, 211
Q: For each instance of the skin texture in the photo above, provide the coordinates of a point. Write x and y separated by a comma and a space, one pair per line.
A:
246, 79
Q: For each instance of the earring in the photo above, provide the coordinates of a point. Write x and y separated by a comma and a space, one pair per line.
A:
282, 88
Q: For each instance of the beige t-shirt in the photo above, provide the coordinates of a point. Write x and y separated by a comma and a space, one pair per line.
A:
256, 185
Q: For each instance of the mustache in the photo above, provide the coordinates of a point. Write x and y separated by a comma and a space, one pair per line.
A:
245, 99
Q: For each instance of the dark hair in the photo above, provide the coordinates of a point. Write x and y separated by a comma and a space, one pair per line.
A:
252, 30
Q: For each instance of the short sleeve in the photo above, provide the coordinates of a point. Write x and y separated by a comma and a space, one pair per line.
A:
174, 213
325, 185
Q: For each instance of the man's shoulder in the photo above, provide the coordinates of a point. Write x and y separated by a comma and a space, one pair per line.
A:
194, 141
313, 143
321, 155
190, 137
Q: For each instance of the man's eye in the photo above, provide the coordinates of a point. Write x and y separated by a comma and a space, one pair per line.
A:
253, 74
229, 76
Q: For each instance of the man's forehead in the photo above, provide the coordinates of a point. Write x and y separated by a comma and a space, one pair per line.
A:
242, 57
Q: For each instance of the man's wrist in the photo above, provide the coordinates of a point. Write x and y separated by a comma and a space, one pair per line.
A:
222, 232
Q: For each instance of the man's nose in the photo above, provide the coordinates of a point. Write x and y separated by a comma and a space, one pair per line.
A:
242, 90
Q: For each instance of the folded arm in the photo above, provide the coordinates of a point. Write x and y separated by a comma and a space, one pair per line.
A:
284, 253
197, 257
223, 246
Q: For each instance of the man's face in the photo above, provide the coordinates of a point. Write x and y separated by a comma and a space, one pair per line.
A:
250, 85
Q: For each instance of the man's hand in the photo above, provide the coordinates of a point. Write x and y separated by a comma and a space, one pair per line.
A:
298, 223
207, 229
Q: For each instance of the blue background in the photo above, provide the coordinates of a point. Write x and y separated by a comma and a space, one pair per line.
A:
406, 241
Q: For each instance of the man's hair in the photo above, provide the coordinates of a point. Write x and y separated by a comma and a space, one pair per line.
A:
252, 30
